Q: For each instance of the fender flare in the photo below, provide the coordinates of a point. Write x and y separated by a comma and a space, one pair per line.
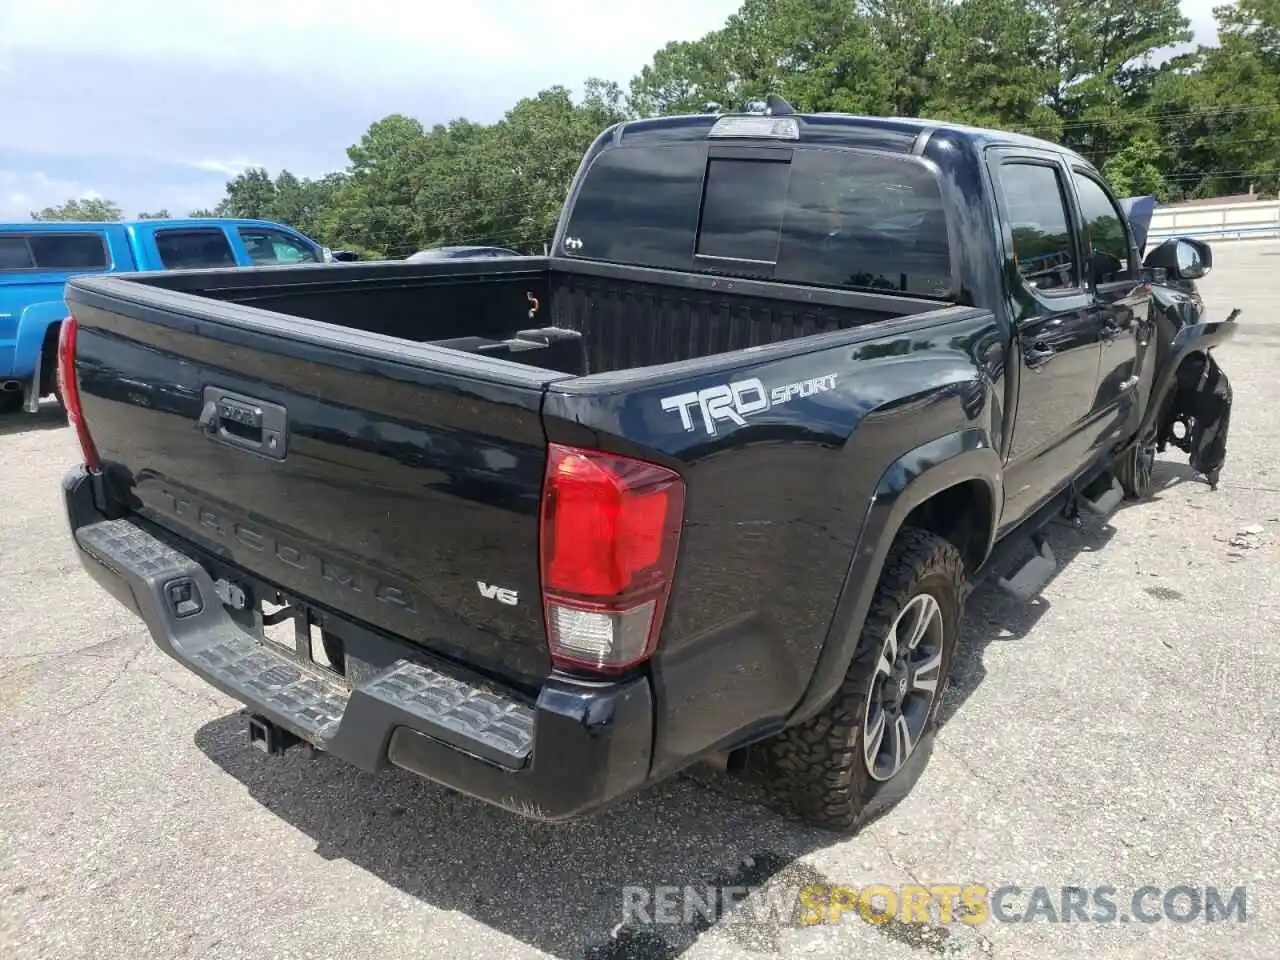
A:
28, 355
908, 481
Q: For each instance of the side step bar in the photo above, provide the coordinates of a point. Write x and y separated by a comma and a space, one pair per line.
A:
1105, 502
1032, 576
1100, 498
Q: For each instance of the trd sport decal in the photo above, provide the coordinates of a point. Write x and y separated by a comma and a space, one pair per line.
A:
734, 402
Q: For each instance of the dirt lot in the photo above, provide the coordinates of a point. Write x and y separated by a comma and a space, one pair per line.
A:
1122, 733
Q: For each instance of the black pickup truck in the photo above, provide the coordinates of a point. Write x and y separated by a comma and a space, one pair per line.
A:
711, 481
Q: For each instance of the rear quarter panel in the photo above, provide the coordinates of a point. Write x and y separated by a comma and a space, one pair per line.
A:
775, 503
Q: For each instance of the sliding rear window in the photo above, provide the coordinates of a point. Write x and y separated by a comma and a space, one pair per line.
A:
56, 251
839, 218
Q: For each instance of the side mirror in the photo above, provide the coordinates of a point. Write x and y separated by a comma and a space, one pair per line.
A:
1181, 258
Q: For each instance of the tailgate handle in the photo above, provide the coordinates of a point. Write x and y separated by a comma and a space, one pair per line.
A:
244, 422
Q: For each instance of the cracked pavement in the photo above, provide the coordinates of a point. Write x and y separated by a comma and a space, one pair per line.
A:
1122, 731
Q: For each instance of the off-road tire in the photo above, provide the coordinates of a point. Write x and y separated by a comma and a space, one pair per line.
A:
815, 771
1133, 468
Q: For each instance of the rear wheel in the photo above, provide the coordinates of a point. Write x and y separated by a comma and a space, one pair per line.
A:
866, 749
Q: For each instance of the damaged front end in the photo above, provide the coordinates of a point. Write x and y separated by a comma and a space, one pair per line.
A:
1190, 401
1190, 406
1198, 415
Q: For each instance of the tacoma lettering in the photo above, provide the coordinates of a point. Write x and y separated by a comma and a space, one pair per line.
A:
227, 529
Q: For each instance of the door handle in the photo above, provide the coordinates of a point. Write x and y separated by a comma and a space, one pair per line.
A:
1037, 355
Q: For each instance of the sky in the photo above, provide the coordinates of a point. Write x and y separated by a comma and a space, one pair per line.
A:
156, 103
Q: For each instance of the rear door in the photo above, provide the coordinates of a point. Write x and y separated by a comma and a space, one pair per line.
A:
1056, 326
191, 248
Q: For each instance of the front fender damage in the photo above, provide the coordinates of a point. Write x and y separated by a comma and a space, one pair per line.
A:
1199, 415
1195, 410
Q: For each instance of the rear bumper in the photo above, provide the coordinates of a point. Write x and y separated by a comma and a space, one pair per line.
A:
578, 747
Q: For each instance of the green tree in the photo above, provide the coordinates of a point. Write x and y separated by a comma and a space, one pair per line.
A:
374, 209
1101, 54
1090, 73
684, 77
303, 203
161, 214
251, 194
991, 71
526, 162
83, 208
1134, 170
1217, 110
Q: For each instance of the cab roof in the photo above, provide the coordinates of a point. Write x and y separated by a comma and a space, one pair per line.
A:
58, 225
841, 129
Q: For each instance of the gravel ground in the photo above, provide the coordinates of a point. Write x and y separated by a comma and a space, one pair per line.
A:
1122, 732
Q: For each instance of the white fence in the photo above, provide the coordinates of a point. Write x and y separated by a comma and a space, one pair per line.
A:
1254, 220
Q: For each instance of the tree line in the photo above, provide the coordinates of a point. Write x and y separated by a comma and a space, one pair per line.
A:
1096, 75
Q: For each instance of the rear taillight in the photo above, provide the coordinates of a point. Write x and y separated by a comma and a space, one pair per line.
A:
610, 532
70, 391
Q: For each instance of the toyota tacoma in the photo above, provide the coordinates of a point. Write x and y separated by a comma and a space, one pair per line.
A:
712, 480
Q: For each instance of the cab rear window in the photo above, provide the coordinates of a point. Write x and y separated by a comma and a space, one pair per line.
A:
838, 218
52, 252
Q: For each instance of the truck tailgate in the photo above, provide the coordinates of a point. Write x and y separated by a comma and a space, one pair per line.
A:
392, 483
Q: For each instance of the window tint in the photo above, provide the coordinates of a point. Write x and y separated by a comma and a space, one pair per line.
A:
742, 209
53, 251
272, 246
189, 249
639, 205
865, 221
15, 254
1104, 225
829, 217
1042, 240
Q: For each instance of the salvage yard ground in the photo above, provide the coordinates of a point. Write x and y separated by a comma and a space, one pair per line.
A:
1123, 732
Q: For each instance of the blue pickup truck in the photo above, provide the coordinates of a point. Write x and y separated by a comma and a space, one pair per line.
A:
37, 259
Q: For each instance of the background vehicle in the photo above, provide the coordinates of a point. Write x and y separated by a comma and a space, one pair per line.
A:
37, 258
459, 253
713, 480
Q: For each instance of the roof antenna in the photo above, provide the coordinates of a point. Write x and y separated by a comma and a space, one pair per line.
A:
775, 106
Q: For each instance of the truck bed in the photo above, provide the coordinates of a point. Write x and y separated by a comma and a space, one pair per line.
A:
618, 318
390, 470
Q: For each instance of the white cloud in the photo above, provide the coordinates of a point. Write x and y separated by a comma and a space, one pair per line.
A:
292, 83
474, 41
230, 168
20, 193
1200, 13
